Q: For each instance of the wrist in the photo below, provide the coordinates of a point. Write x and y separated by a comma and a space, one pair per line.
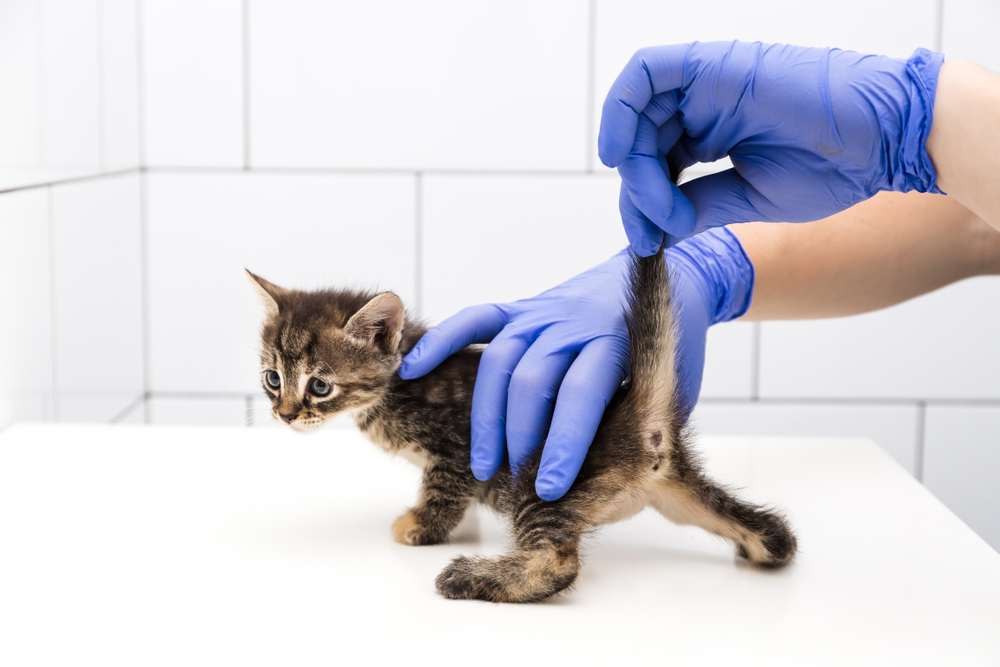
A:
716, 261
914, 169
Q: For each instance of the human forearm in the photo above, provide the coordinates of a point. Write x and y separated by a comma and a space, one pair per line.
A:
964, 142
881, 252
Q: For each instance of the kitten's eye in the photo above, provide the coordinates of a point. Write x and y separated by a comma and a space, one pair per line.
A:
273, 379
319, 387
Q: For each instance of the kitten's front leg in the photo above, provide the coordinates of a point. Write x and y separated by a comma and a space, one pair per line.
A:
445, 494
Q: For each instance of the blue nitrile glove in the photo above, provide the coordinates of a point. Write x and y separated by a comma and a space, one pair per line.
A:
810, 131
572, 340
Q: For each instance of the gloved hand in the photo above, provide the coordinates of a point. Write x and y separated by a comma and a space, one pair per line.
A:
562, 355
810, 131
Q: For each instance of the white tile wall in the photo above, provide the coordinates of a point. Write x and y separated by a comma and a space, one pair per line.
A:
962, 465
295, 230
729, 356
97, 291
442, 84
119, 83
970, 31
894, 427
25, 341
891, 27
192, 82
20, 119
931, 347
88, 408
71, 82
201, 410
503, 238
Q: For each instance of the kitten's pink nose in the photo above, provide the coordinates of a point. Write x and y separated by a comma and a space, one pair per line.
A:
286, 418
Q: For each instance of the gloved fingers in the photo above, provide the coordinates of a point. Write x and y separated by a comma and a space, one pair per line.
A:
475, 324
661, 108
532, 394
644, 237
489, 403
668, 133
588, 387
651, 70
643, 174
724, 198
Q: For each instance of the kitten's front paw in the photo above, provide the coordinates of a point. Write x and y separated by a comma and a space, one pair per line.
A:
408, 530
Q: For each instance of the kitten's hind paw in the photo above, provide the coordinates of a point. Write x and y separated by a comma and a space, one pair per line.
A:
408, 530
524, 577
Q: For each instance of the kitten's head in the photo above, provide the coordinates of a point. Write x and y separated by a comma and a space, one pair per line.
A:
326, 352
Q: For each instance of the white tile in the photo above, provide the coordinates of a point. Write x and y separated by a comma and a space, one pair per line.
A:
25, 337
729, 361
624, 26
941, 345
970, 31
91, 408
97, 290
962, 465
20, 81
193, 82
197, 410
302, 231
893, 427
119, 84
503, 238
438, 84
71, 98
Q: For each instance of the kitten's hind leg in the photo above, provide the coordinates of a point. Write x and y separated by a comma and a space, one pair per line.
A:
762, 536
543, 562
445, 494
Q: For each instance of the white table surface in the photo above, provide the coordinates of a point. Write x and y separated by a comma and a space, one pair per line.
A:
131, 545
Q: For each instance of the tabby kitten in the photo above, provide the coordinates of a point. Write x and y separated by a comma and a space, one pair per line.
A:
334, 351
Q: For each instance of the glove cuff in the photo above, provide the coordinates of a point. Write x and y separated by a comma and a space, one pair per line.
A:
726, 269
918, 171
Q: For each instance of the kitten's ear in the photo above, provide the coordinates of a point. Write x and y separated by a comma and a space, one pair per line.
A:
379, 323
270, 294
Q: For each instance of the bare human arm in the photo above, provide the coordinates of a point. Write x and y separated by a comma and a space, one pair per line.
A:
876, 254
964, 142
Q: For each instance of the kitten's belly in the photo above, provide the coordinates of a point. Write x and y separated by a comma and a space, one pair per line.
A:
626, 505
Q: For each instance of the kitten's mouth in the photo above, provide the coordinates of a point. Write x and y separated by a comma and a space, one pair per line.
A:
305, 425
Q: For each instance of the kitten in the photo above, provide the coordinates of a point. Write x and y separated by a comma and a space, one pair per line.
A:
333, 351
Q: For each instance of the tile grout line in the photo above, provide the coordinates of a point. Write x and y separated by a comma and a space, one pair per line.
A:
588, 154
144, 281
858, 402
128, 409
246, 85
921, 440
249, 408
384, 171
418, 241
53, 347
71, 179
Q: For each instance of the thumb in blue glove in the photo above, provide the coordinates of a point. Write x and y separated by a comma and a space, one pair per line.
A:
810, 131
556, 360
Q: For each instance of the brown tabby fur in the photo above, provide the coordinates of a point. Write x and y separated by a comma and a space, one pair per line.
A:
640, 457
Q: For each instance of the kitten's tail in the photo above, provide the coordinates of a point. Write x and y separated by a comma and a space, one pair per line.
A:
652, 341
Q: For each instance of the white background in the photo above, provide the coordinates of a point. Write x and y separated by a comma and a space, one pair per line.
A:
151, 149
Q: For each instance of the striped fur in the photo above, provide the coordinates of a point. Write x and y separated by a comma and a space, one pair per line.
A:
641, 456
